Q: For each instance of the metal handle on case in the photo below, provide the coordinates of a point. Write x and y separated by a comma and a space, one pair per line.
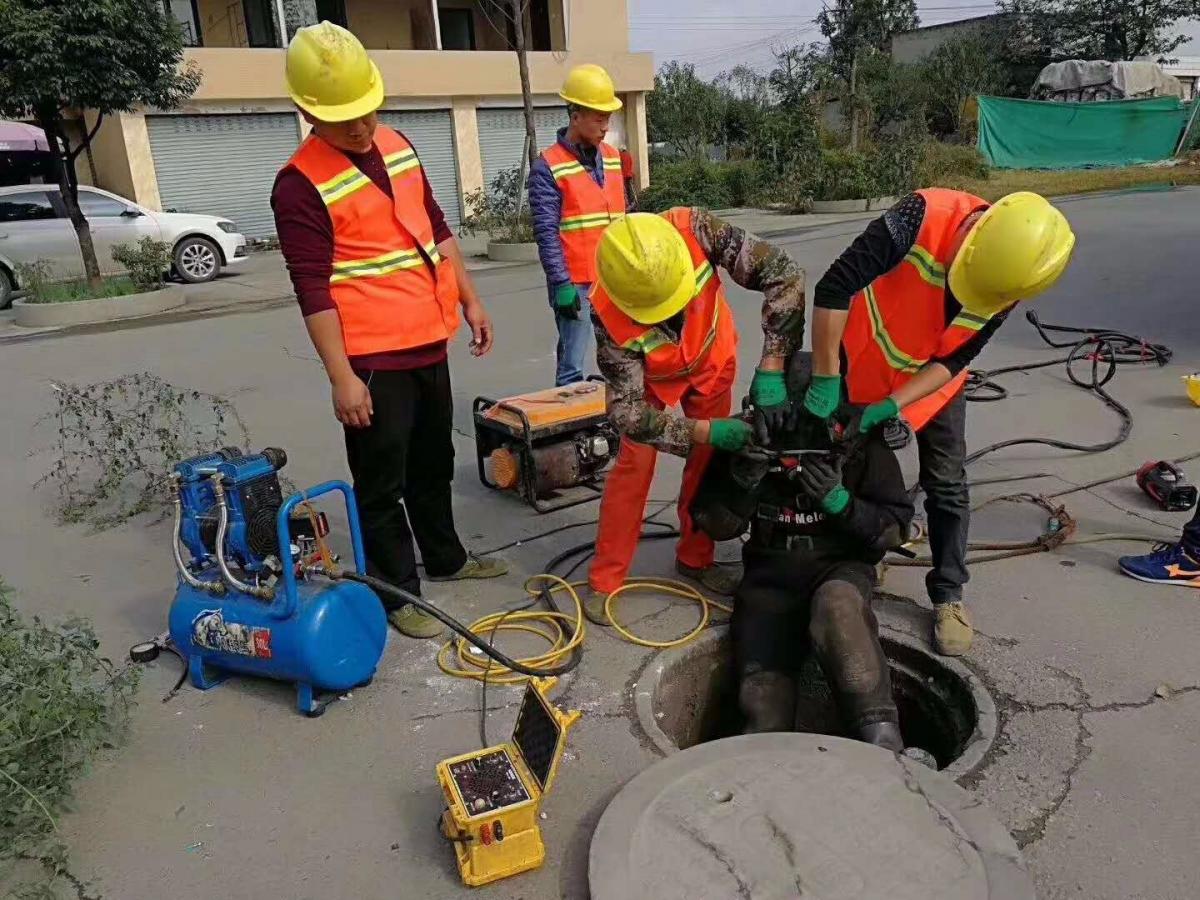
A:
286, 605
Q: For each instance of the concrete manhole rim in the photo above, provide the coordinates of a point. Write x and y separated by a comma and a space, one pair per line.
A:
1004, 869
973, 754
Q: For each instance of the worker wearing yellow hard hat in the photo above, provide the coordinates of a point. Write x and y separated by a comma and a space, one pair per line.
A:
665, 337
381, 286
898, 318
576, 187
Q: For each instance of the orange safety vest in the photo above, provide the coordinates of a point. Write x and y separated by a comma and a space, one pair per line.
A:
898, 322
392, 288
708, 343
587, 208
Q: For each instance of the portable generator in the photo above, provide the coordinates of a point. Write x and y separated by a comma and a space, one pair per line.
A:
254, 596
547, 445
493, 796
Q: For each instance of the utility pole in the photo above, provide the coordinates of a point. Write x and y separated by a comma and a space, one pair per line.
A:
518, 19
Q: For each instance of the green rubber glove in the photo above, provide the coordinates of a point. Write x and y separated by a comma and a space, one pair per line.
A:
836, 500
729, 434
821, 481
878, 413
823, 395
768, 389
566, 301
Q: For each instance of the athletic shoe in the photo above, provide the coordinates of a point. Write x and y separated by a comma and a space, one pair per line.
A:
475, 567
1166, 564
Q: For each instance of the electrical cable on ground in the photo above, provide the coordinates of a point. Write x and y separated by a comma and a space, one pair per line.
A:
1106, 349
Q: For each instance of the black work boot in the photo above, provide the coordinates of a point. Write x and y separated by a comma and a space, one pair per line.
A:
883, 734
768, 702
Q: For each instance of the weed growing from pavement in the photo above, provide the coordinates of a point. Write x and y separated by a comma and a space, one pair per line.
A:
117, 440
60, 705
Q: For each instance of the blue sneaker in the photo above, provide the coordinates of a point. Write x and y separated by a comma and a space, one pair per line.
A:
1167, 564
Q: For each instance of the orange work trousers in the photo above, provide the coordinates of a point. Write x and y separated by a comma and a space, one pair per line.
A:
628, 485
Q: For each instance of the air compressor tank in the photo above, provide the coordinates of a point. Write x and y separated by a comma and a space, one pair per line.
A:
322, 635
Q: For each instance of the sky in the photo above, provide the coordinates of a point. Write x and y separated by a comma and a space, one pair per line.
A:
716, 35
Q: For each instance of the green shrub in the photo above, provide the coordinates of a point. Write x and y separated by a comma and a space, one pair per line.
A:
746, 181
844, 175
688, 182
147, 262
61, 704
940, 163
500, 211
35, 280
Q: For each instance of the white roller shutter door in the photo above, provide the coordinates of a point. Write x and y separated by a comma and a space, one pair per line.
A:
502, 135
223, 165
431, 132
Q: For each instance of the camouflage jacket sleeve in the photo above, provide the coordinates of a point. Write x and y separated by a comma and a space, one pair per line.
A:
628, 409
758, 266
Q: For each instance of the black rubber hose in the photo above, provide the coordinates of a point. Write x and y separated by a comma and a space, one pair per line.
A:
383, 587
1104, 348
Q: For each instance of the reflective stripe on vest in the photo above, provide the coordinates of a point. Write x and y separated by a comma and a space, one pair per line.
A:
587, 207
707, 347
897, 323
392, 288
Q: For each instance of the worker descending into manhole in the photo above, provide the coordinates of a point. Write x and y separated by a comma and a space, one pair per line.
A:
822, 513
666, 336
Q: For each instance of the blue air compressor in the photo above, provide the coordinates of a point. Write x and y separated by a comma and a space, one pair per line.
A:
258, 594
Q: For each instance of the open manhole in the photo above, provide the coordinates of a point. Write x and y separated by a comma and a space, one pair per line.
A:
687, 697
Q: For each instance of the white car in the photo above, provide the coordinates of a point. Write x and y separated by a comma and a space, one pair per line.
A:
34, 226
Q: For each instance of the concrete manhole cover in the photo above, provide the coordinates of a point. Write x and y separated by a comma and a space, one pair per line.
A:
775, 816
687, 697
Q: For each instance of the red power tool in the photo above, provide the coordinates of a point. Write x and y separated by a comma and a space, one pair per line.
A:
1167, 486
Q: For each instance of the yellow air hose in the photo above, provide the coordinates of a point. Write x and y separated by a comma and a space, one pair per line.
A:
458, 658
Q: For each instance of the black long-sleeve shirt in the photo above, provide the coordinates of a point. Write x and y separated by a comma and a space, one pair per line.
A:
878, 250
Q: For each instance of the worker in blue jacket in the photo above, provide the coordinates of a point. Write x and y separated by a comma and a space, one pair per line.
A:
576, 188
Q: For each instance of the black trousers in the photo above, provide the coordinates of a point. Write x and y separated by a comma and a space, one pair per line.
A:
402, 466
793, 602
942, 451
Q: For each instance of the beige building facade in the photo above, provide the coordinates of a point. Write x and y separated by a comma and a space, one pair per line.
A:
452, 87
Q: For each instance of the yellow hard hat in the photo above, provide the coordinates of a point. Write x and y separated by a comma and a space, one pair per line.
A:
589, 85
643, 264
330, 76
1016, 250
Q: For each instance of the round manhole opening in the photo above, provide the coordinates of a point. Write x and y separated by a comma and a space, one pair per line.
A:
688, 697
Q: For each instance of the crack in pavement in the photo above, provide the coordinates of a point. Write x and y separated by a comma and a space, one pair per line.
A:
1036, 830
718, 854
789, 850
52, 867
425, 717
914, 785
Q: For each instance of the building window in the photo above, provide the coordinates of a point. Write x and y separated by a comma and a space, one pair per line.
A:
260, 23
332, 11
458, 29
184, 13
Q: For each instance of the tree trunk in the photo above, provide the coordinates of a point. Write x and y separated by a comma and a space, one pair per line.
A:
68, 187
518, 16
854, 102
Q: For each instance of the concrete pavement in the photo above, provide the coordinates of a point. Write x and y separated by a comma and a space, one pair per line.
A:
1095, 675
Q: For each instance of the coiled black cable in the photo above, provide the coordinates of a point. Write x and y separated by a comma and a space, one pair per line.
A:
1104, 348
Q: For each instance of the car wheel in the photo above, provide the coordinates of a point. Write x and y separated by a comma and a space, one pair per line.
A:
197, 260
6, 290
